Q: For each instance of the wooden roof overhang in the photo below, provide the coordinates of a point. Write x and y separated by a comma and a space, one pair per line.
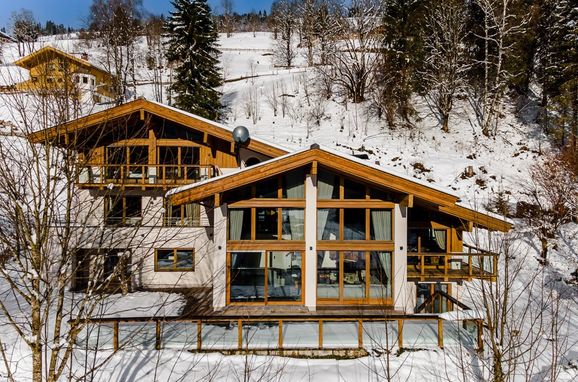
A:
66, 131
445, 202
33, 58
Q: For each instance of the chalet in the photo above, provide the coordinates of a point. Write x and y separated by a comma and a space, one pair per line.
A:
51, 68
312, 237
6, 38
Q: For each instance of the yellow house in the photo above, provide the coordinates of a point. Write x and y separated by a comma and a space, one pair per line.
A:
53, 69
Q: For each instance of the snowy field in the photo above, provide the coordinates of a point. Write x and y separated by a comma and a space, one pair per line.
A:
499, 164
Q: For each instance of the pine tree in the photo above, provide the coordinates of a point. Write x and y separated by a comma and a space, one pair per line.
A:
192, 47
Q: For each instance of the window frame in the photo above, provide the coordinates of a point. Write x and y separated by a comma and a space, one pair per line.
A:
253, 213
196, 220
174, 268
367, 299
123, 221
266, 253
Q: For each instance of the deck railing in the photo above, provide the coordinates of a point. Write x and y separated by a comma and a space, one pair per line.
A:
143, 175
452, 265
285, 335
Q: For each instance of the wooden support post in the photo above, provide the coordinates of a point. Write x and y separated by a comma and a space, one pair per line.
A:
280, 344
470, 263
199, 332
494, 265
446, 266
217, 200
115, 335
205, 137
407, 201
240, 335
480, 327
314, 167
399, 333
440, 333
360, 334
232, 149
320, 334
158, 335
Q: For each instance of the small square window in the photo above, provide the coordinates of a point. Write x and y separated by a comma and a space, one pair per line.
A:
84, 80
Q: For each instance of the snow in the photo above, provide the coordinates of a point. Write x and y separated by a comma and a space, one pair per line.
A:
500, 164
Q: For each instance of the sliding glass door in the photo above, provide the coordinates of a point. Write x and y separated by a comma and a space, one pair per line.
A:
354, 277
265, 277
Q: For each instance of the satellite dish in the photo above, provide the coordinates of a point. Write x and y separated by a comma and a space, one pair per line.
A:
241, 134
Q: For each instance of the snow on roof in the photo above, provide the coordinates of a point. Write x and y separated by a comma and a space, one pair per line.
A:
12, 74
220, 125
322, 148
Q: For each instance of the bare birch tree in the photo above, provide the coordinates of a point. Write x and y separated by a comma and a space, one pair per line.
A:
284, 16
445, 64
487, 96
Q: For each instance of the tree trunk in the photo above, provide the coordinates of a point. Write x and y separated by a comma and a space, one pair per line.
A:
445, 123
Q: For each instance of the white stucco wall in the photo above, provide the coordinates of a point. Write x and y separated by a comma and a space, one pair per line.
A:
219, 257
310, 274
401, 289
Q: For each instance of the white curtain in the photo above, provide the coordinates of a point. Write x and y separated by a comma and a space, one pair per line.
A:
325, 185
296, 223
294, 182
385, 262
381, 224
192, 214
440, 237
322, 215
235, 224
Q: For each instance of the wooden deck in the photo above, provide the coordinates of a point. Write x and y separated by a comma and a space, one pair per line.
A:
452, 266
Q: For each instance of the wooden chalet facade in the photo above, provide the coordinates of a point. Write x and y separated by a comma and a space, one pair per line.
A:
54, 70
263, 232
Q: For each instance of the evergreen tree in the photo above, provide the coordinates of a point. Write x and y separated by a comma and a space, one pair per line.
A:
193, 48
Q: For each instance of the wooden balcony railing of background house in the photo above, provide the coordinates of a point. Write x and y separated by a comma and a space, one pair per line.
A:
146, 175
452, 266
286, 335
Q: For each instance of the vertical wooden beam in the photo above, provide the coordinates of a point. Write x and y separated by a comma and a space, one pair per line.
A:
158, 335
199, 333
217, 200
314, 167
205, 137
232, 148
440, 333
115, 335
280, 339
360, 334
320, 334
399, 333
240, 335
142, 114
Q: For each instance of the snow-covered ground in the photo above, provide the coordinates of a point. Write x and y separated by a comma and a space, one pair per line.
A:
499, 164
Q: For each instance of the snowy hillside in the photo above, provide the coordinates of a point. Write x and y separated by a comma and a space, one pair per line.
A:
286, 107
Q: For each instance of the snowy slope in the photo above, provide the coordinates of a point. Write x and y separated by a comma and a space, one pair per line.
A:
424, 152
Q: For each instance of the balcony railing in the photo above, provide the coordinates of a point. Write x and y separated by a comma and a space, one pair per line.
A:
143, 175
279, 335
452, 266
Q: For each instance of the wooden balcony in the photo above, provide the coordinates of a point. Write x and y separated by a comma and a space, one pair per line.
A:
452, 266
144, 176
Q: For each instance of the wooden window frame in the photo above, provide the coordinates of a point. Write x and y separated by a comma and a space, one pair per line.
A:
265, 301
367, 300
122, 223
195, 223
432, 289
341, 214
174, 269
258, 243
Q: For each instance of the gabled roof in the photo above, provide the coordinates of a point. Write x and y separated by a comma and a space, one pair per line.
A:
181, 117
447, 202
7, 36
33, 58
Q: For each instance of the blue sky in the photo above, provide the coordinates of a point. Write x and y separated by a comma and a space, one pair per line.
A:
74, 12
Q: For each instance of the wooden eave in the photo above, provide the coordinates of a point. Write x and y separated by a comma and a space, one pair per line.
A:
477, 218
144, 106
445, 202
30, 61
327, 160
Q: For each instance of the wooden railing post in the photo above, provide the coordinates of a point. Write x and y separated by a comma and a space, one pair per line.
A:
280, 342
158, 335
494, 265
320, 334
240, 335
470, 263
446, 266
440, 333
199, 332
399, 332
115, 335
360, 334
